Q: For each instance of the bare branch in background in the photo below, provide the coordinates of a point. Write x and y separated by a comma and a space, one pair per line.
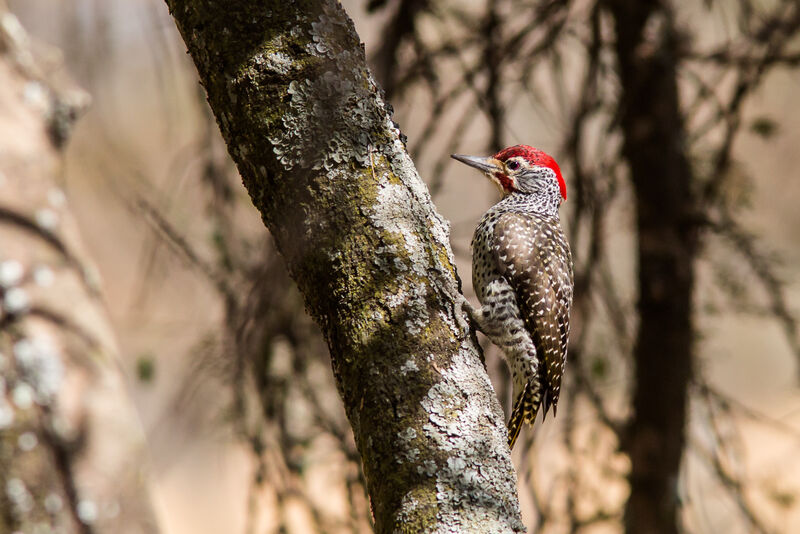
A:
399, 30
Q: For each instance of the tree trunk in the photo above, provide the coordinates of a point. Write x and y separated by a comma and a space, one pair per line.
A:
325, 165
71, 445
654, 146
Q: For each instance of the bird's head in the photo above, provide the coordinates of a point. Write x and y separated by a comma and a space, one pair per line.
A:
521, 169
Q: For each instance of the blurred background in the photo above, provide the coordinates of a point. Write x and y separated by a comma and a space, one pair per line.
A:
231, 382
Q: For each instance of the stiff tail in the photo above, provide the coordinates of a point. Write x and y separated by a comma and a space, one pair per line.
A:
526, 405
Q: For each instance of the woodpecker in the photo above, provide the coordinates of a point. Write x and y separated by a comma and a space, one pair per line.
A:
522, 274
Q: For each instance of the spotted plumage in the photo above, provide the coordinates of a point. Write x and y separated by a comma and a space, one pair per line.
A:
522, 274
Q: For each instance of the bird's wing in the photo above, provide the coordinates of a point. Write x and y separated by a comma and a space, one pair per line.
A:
535, 258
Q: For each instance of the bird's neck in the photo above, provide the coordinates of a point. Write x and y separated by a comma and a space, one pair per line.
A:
540, 203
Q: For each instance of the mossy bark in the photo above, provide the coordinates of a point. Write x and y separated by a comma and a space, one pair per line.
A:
325, 165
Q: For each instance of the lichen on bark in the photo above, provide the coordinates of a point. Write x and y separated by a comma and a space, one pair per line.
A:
327, 168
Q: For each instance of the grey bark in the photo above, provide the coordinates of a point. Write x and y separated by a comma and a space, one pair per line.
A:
326, 167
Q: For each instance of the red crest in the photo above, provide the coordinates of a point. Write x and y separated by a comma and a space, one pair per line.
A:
534, 156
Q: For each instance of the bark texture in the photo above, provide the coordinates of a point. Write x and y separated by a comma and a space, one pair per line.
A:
325, 165
654, 145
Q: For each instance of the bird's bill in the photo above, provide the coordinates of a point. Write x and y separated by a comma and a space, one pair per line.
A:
485, 164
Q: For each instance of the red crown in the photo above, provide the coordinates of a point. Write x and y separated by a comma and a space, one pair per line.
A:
534, 156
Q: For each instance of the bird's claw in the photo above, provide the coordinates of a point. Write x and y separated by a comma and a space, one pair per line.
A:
463, 306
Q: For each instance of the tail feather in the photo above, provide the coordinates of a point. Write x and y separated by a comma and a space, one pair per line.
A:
515, 422
526, 405
547, 402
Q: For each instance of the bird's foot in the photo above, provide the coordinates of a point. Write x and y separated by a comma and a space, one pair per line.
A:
463, 306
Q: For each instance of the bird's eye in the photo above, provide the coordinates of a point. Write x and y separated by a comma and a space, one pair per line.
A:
513, 165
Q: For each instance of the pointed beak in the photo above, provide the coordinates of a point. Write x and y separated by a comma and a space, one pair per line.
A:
488, 165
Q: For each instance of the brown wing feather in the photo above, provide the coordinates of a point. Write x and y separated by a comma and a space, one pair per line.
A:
533, 255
